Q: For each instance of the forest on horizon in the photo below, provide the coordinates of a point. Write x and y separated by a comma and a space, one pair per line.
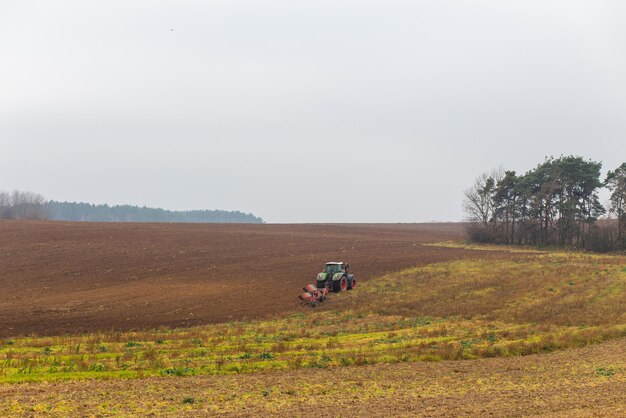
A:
28, 205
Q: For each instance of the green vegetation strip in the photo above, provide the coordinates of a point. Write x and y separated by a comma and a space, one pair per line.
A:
455, 310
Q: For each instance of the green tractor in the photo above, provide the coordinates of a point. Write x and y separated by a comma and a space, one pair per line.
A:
335, 277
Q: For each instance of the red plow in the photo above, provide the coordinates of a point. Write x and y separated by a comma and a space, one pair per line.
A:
313, 295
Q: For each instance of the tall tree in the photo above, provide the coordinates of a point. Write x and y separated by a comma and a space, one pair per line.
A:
616, 183
577, 199
506, 200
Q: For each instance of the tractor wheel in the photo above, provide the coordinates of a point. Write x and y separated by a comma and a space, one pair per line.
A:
340, 285
352, 284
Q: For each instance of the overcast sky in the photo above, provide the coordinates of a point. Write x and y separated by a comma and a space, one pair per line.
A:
303, 111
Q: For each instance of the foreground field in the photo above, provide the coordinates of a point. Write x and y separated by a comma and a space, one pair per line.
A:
589, 381
60, 277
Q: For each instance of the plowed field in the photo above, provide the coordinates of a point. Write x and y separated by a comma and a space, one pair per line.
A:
59, 277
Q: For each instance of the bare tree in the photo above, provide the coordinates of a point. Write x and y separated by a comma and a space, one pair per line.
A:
5, 204
22, 205
480, 206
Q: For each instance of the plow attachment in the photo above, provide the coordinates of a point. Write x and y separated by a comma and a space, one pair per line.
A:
312, 295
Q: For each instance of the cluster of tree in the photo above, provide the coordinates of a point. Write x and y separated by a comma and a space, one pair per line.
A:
556, 203
28, 205
72, 211
21, 205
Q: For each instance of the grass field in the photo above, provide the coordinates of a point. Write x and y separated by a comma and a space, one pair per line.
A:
587, 381
528, 303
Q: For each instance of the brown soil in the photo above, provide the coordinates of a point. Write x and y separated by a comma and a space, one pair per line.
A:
589, 381
59, 277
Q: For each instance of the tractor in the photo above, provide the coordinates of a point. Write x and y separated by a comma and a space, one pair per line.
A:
335, 277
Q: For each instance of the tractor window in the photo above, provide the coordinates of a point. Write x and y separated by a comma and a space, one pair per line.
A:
331, 269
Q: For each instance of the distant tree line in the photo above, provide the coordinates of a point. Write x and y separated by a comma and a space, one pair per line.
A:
72, 211
554, 204
27, 205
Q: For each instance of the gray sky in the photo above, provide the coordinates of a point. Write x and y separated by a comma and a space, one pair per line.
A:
303, 111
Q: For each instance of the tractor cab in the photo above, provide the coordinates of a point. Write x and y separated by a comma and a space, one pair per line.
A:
334, 267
